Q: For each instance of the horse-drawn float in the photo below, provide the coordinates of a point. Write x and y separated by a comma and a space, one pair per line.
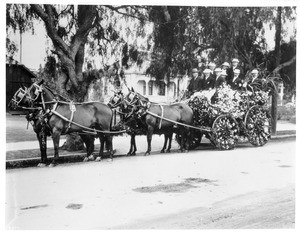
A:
222, 117
228, 115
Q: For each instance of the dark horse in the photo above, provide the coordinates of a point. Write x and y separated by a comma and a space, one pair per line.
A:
61, 117
161, 119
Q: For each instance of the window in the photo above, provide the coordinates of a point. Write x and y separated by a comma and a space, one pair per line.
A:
150, 87
142, 87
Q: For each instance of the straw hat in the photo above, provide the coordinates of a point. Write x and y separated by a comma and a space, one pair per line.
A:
218, 69
211, 64
235, 60
254, 71
236, 71
225, 64
206, 71
195, 70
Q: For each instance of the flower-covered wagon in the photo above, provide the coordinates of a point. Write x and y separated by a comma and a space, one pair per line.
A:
226, 115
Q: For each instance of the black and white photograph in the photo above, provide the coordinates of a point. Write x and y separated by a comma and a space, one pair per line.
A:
147, 115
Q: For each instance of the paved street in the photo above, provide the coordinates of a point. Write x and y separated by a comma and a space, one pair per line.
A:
244, 188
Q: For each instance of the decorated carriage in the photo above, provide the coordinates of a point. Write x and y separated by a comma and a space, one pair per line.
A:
225, 116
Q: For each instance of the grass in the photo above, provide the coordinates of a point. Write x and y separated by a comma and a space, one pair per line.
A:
286, 113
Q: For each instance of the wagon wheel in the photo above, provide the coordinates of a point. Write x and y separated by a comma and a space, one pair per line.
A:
258, 126
225, 132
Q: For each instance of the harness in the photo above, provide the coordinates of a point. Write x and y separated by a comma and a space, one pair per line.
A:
72, 109
162, 116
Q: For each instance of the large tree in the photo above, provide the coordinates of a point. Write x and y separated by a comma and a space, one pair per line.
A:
69, 28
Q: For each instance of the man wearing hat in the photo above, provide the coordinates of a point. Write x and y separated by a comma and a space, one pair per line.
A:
225, 66
212, 67
254, 81
195, 83
237, 82
220, 77
208, 81
235, 65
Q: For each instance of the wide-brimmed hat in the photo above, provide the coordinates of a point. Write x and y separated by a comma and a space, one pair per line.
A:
194, 70
235, 60
206, 71
211, 64
254, 71
225, 64
236, 71
218, 69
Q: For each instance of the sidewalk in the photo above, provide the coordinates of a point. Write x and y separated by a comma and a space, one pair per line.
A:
121, 146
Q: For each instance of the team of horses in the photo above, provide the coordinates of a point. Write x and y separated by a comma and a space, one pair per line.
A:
53, 115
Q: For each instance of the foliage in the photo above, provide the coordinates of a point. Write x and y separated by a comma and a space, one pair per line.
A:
72, 27
11, 49
203, 34
288, 73
287, 112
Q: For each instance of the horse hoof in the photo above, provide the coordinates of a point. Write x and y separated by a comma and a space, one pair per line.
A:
133, 154
85, 159
147, 154
52, 165
162, 151
168, 151
41, 165
110, 160
98, 159
128, 154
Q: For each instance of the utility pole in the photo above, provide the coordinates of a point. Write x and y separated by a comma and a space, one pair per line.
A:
278, 27
20, 47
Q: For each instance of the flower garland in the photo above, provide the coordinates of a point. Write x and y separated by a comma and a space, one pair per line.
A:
208, 105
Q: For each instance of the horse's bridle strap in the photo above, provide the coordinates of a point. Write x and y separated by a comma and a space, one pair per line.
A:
72, 109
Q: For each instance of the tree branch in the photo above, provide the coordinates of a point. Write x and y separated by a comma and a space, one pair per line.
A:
86, 18
116, 9
283, 65
46, 16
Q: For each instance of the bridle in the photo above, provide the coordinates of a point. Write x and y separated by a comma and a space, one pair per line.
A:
113, 103
20, 94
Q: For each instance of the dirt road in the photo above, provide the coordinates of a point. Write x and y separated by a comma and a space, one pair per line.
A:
273, 209
247, 187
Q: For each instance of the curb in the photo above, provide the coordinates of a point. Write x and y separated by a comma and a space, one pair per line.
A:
78, 157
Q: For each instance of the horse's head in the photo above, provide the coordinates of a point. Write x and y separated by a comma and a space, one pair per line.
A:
40, 93
35, 91
116, 100
139, 103
20, 99
131, 98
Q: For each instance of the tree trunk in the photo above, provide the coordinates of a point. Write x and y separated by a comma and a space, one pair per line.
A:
278, 26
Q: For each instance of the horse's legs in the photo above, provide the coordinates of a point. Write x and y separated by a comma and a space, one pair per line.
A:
185, 144
182, 139
89, 143
102, 141
170, 142
187, 141
55, 137
149, 139
132, 149
42, 138
165, 143
110, 148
